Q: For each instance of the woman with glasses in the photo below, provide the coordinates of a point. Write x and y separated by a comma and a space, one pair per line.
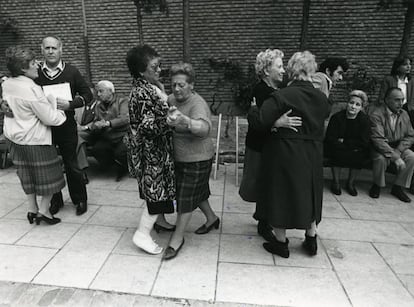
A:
149, 144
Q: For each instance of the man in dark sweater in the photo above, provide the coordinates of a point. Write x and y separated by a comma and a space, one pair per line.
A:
54, 71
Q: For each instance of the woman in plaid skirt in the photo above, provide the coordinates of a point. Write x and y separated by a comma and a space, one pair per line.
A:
193, 153
29, 133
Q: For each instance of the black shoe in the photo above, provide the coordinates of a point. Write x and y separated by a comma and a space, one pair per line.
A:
55, 207
398, 192
374, 191
81, 208
171, 253
310, 245
206, 229
47, 220
158, 228
31, 217
350, 188
336, 188
278, 248
266, 231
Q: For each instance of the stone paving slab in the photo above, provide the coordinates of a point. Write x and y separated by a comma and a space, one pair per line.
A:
366, 248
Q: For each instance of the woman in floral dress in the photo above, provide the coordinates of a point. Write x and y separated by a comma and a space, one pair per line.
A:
149, 143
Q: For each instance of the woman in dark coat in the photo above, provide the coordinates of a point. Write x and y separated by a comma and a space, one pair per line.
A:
347, 141
270, 71
291, 173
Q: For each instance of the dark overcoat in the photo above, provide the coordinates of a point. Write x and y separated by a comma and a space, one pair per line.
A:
291, 173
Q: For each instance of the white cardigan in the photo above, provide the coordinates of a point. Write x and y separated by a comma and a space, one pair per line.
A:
33, 113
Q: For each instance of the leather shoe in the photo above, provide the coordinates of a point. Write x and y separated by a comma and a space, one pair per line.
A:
265, 230
398, 192
350, 188
336, 188
171, 253
374, 191
206, 229
278, 248
81, 208
56, 203
310, 245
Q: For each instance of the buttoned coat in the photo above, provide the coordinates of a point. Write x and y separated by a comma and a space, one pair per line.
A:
291, 172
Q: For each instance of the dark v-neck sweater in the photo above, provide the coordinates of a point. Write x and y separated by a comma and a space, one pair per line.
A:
77, 83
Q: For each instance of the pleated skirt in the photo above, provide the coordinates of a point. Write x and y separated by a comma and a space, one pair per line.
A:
192, 184
38, 168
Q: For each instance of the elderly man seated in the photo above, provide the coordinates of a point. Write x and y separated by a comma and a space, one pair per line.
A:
392, 137
107, 129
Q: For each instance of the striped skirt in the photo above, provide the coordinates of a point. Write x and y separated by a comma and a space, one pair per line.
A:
38, 168
192, 184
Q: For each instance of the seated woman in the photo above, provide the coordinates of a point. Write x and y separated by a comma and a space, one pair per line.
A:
347, 141
30, 136
193, 153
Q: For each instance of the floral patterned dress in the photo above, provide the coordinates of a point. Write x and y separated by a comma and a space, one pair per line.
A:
150, 146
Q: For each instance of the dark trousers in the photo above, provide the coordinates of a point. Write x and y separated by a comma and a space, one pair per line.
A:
105, 149
107, 152
65, 137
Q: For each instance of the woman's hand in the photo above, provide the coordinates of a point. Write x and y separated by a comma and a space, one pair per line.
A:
5, 108
175, 118
289, 122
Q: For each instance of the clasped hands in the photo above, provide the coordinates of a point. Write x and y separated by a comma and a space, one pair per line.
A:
98, 125
177, 119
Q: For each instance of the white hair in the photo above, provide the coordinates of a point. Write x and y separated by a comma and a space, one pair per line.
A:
107, 84
265, 59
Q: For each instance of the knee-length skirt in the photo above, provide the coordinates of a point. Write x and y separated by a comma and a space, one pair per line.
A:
192, 184
38, 168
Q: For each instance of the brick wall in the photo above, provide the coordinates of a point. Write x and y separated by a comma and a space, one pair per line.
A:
236, 29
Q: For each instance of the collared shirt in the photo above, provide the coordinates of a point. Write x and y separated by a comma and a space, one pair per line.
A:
52, 72
402, 85
393, 118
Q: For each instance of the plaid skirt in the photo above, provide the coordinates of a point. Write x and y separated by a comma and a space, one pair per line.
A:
192, 184
38, 168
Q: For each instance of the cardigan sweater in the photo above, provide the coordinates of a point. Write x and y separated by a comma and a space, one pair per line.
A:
33, 113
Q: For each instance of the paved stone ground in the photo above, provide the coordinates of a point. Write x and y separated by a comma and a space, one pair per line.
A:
366, 253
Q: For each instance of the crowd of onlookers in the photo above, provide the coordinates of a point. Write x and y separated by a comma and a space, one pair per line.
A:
164, 140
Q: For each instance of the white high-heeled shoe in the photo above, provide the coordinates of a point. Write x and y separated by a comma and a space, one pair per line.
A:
146, 243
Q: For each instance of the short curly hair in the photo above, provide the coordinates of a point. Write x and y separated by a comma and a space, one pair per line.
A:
301, 66
138, 57
18, 58
184, 69
361, 95
265, 59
